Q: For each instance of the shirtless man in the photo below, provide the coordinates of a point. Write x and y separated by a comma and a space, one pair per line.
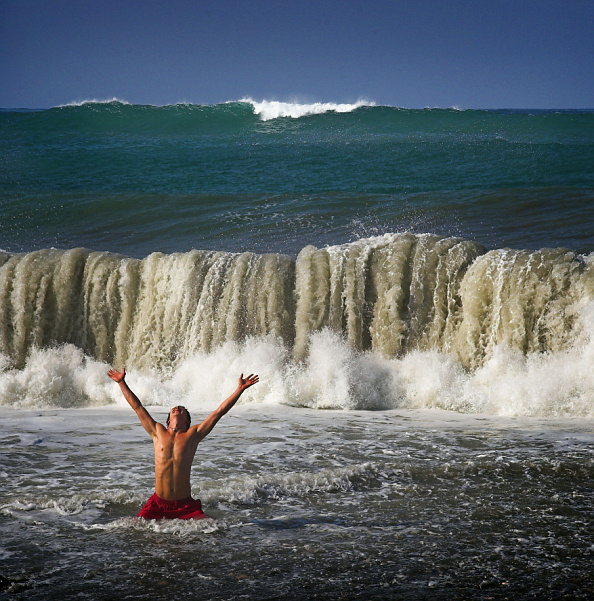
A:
175, 447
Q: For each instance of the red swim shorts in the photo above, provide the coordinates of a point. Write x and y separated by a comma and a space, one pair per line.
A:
184, 509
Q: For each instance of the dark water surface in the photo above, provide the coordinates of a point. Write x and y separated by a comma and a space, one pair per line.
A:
306, 504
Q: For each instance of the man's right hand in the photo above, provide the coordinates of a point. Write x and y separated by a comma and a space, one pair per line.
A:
116, 376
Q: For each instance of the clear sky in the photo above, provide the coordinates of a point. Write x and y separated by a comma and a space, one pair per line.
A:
417, 53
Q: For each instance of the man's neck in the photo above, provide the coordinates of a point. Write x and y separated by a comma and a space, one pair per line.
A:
175, 429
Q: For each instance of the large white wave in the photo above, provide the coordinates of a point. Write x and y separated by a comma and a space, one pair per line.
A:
394, 321
265, 109
273, 109
333, 375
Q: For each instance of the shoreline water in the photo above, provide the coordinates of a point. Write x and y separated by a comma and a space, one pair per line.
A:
307, 504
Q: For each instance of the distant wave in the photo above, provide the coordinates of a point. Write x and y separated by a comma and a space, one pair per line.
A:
273, 109
265, 109
112, 100
244, 111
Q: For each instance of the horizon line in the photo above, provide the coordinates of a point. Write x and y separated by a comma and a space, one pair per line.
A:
359, 103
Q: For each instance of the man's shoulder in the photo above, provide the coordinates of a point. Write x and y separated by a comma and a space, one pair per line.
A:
190, 436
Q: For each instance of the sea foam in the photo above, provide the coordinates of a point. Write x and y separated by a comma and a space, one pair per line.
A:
273, 109
393, 321
332, 376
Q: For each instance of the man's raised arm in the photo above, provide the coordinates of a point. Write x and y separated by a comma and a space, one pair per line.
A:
204, 429
150, 425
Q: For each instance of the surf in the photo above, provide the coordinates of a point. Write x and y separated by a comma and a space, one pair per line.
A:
398, 320
275, 109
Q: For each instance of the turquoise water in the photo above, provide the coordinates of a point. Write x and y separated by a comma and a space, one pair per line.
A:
137, 179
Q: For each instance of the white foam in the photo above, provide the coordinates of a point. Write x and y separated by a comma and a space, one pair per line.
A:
273, 109
252, 490
112, 100
509, 383
55, 377
332, 375
73, 504
207, 378
179, 528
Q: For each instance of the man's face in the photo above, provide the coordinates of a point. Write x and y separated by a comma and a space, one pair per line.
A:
178, 416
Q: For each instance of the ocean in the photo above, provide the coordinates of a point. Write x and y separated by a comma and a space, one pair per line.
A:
415, 289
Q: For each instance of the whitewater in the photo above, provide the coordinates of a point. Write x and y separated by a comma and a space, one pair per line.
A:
394, 321
415, 289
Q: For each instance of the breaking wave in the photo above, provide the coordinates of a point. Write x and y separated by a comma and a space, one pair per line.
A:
399, 320
273, 109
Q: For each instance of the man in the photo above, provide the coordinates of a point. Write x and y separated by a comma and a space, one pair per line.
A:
175, 447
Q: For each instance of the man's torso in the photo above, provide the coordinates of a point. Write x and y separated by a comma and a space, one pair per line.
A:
174, 454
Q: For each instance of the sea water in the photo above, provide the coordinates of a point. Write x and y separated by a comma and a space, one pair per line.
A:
398, 504
415, 290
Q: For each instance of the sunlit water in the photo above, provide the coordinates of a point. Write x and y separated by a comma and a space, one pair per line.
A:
305, 504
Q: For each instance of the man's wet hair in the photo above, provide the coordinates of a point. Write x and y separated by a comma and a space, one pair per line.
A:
188, 418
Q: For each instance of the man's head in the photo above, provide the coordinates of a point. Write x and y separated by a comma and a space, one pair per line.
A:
180, 416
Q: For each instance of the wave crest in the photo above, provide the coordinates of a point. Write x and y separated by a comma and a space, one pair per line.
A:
90, 101
273, 109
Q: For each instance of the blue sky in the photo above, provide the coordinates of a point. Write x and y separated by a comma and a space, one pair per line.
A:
470, 54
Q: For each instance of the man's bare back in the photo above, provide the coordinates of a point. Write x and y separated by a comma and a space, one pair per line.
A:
175, 446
